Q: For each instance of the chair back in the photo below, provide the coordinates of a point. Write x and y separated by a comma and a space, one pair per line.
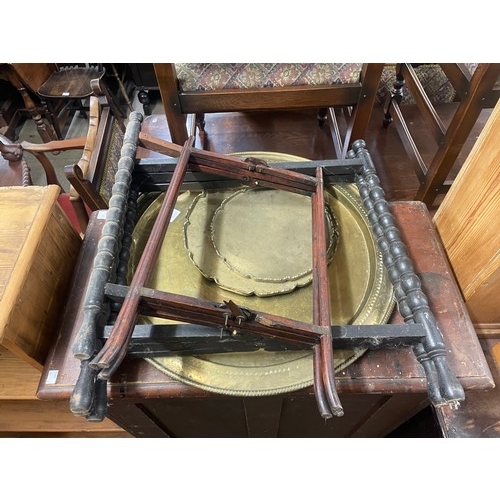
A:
56, 92
33, 75
93, 175
104, 160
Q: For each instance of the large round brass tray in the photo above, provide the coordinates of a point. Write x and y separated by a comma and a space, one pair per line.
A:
360, 292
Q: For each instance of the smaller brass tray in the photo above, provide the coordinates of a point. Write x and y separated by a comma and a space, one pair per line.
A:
254, 241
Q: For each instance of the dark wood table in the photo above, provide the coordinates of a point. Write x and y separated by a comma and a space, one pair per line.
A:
379, 391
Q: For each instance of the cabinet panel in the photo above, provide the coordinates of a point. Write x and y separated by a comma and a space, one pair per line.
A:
468, 224
38, 251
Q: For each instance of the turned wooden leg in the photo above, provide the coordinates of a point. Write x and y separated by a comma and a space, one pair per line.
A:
322, 116
396, 95
51, 112
143, 97
44, 126
200, 121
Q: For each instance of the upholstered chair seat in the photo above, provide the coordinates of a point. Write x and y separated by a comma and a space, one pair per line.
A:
217, 76
194, 77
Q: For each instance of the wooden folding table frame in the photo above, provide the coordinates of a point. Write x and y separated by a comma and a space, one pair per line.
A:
113, 305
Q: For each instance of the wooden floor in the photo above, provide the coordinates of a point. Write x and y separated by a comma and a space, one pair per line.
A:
298, 133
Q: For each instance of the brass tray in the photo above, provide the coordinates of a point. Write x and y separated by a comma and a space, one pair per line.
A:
267, 253
360, 291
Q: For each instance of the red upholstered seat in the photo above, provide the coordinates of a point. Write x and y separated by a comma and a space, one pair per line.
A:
64, 201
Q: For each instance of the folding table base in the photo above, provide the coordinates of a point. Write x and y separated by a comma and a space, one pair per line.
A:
109, 331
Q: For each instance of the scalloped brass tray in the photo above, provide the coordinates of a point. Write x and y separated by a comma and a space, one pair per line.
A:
360, 292
268, 253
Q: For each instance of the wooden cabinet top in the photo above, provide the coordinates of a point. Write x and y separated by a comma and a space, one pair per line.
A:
38, 249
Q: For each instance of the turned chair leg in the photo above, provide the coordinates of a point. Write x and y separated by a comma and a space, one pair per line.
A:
396, 95
144, 99
200, 121
322, 116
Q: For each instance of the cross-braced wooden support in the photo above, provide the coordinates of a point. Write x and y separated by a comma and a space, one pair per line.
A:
110, 301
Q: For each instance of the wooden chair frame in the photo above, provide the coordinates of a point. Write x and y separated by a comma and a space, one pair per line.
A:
87, 174
50, 108
357, 98
475, 93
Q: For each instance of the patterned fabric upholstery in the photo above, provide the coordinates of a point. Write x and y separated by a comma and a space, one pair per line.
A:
432, 78
111, 162
217, 76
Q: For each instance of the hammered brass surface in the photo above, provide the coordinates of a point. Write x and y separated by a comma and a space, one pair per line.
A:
360, 293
